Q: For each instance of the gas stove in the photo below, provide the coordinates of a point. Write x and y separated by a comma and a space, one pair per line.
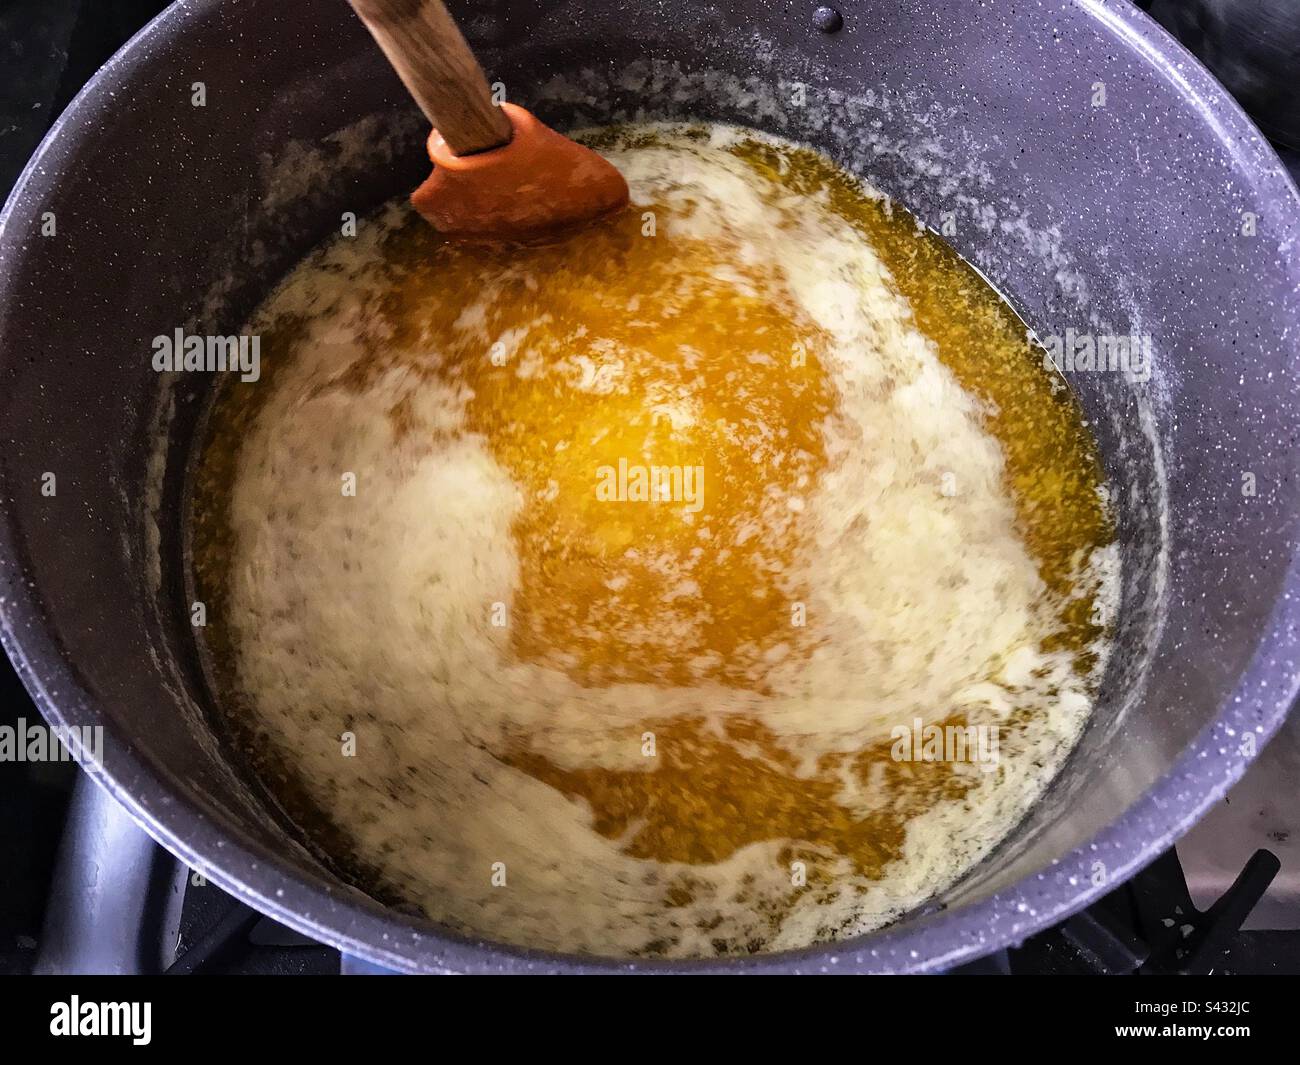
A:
85, 890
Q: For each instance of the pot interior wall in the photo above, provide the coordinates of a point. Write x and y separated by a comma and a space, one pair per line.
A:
171, 215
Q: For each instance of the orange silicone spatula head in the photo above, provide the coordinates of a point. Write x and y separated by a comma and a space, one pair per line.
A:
499, 173
537, 184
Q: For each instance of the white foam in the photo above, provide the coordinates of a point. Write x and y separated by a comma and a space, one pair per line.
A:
371, 614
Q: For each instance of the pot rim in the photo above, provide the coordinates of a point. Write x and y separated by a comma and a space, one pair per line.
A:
361, 927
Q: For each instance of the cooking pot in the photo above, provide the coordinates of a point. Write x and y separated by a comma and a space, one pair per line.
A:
1074, 153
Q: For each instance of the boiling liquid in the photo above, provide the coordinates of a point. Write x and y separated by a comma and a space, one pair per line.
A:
579, 595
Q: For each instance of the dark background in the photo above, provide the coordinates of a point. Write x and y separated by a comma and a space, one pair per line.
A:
50, 48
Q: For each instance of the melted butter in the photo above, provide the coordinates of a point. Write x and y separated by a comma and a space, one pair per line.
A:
658, 353
674, 354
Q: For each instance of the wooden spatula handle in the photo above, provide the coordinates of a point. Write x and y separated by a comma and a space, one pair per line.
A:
435, 63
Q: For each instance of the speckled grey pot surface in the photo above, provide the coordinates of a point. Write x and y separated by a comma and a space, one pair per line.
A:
1088, 166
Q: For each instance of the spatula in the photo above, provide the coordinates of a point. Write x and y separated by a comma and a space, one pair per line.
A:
499, 173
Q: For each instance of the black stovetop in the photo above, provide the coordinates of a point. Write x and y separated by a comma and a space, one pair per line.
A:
1150, 924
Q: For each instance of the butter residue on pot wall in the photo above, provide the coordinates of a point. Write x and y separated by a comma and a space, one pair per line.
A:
647, 756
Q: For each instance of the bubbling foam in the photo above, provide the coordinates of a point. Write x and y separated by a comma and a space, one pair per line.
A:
614, 725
